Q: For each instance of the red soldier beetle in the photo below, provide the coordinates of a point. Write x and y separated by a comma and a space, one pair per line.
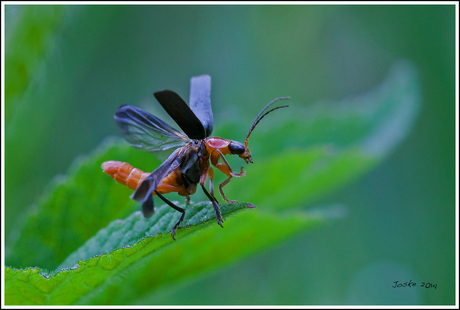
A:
190, 164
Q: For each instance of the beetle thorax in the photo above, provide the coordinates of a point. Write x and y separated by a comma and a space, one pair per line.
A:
217, 143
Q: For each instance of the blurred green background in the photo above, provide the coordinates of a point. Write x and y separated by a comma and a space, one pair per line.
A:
66, 77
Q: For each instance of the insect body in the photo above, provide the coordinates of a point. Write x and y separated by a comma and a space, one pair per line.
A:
190, 164
124, 173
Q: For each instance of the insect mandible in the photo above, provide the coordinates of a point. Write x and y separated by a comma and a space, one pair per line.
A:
190, 164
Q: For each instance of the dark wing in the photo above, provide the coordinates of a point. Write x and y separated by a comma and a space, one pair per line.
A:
147, 132
143, 193
181, 114
200, 101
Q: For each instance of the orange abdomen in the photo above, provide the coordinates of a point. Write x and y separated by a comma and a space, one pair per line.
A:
124, 173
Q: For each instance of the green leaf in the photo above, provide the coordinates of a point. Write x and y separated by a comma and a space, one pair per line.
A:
296, 178
153, 261
121, 233
74, 208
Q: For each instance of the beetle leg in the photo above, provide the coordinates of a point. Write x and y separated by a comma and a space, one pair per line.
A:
211, 184
225, 168
222, 192
208, 171
173, 231
215, 204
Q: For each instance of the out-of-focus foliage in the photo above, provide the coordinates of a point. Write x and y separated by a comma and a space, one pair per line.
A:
62, 91
26, 51
342, 140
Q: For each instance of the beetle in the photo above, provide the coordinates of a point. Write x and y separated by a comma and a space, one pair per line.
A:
190, 164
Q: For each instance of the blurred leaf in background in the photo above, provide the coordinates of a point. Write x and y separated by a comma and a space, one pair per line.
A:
85, 61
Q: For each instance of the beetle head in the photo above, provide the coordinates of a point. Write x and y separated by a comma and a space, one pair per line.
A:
238, 148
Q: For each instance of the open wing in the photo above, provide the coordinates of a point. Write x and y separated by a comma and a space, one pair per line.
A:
181, 114
143, 193
200, 101
147, 132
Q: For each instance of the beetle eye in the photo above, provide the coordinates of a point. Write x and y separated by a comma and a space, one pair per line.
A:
236, 148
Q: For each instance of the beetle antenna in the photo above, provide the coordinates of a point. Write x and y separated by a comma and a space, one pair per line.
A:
259, 117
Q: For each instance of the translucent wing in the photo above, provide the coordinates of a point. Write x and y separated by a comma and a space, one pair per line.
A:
200, 101
147, 132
